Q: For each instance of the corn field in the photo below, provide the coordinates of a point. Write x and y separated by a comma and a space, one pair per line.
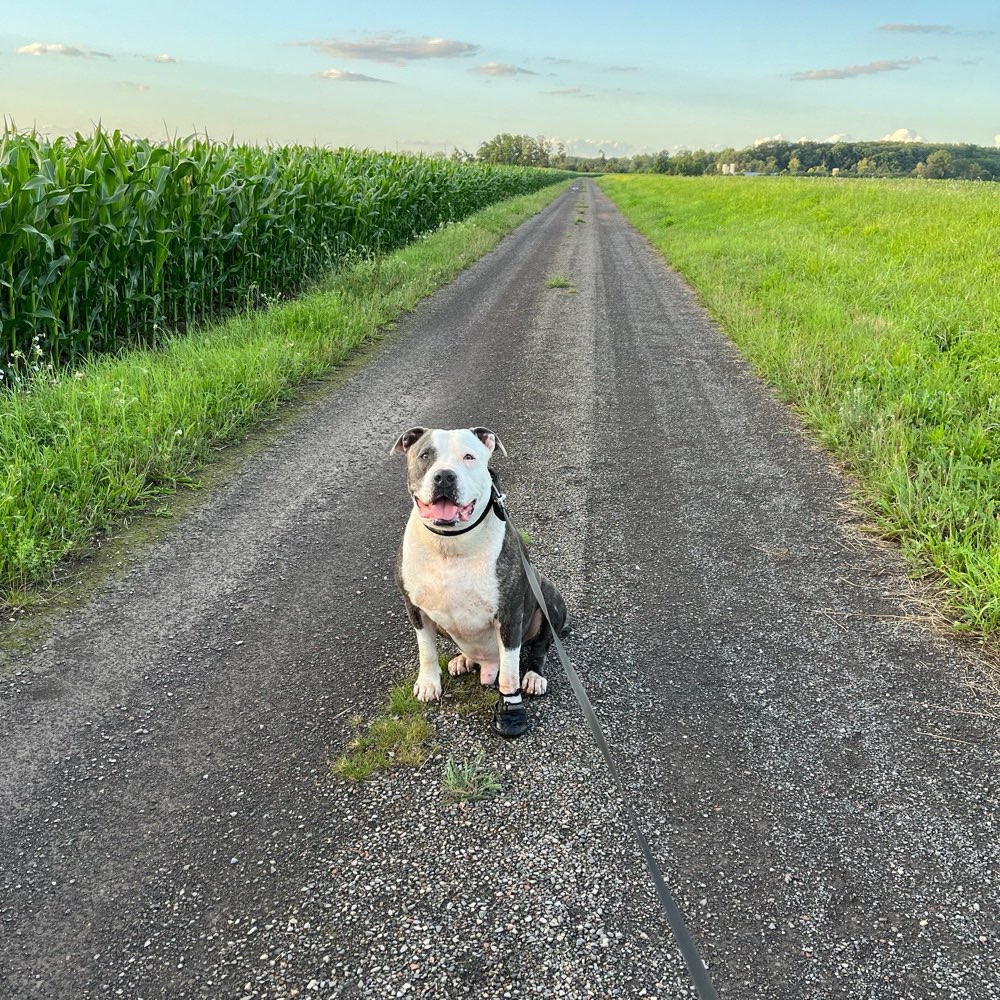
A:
107, 241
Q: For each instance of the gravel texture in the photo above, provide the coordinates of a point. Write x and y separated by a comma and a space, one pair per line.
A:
816, 771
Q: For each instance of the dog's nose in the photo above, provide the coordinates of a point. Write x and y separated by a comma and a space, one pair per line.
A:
445, 478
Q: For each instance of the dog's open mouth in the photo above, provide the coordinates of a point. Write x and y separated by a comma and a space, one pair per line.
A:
444, 511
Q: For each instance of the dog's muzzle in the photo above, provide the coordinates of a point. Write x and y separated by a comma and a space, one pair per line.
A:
444, 510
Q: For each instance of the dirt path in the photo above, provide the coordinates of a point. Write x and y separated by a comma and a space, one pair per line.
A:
817, 777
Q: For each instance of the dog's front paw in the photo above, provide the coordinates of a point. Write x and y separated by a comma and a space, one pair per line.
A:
534, 684
427, 689
458, 665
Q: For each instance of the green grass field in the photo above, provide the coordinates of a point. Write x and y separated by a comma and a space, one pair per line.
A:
82, 446
874, 308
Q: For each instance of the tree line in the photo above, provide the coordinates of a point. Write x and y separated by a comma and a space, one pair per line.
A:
849, 159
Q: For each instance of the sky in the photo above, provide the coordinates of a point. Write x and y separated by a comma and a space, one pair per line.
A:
623, 77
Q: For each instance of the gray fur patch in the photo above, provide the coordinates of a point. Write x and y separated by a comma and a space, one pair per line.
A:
420, 456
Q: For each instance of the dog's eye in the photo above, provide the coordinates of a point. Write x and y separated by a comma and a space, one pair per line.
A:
470, 458
424, 455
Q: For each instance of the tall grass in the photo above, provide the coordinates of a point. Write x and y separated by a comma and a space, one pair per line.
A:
107, 241
874, 306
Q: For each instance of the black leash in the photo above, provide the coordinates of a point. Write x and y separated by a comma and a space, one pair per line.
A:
695, 966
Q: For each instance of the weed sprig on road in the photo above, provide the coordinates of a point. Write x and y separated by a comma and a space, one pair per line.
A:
873, 307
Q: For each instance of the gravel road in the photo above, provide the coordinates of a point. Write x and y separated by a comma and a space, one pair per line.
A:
816, 771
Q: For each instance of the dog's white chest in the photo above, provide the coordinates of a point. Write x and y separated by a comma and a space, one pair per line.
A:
458, 590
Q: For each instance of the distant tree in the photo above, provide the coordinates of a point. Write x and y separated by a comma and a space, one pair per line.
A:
938, 165
517, 150
840, 157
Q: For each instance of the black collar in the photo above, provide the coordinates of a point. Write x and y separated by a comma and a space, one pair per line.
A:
496, 505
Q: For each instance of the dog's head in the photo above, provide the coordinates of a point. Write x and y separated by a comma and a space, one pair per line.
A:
448, 471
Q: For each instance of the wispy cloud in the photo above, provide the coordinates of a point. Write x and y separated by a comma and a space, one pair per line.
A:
161, 58
42, 49
563, 91
133, 85
559, 62
919, 29
621, 69
591, 147
847, 72
345, 77
501, 69
393, 49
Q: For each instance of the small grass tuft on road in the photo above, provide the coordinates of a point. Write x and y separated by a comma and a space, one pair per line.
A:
560, 281
471, 780
399, 736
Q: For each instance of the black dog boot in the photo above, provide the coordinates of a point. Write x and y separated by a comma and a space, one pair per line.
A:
510, 715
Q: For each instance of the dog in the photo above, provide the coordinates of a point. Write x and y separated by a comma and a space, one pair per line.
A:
461, 574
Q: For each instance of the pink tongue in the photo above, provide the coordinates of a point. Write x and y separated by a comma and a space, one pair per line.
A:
439, 510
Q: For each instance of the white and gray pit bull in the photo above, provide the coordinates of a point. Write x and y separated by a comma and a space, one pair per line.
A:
461, 574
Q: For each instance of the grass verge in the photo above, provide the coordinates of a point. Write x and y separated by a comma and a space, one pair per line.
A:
82, 447
874, 308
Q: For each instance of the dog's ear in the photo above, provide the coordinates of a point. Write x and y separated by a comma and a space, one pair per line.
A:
489, 439
406, 439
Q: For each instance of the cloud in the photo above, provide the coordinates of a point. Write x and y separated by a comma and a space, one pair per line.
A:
41, 49
919, 29
902, 135
393, 49
559, 62
621, 69
563, 90
591, 147
881, 66
996, 140
132, 85
161, 58
345, 77
501, 69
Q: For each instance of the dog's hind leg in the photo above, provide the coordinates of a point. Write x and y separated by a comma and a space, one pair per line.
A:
533, 652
